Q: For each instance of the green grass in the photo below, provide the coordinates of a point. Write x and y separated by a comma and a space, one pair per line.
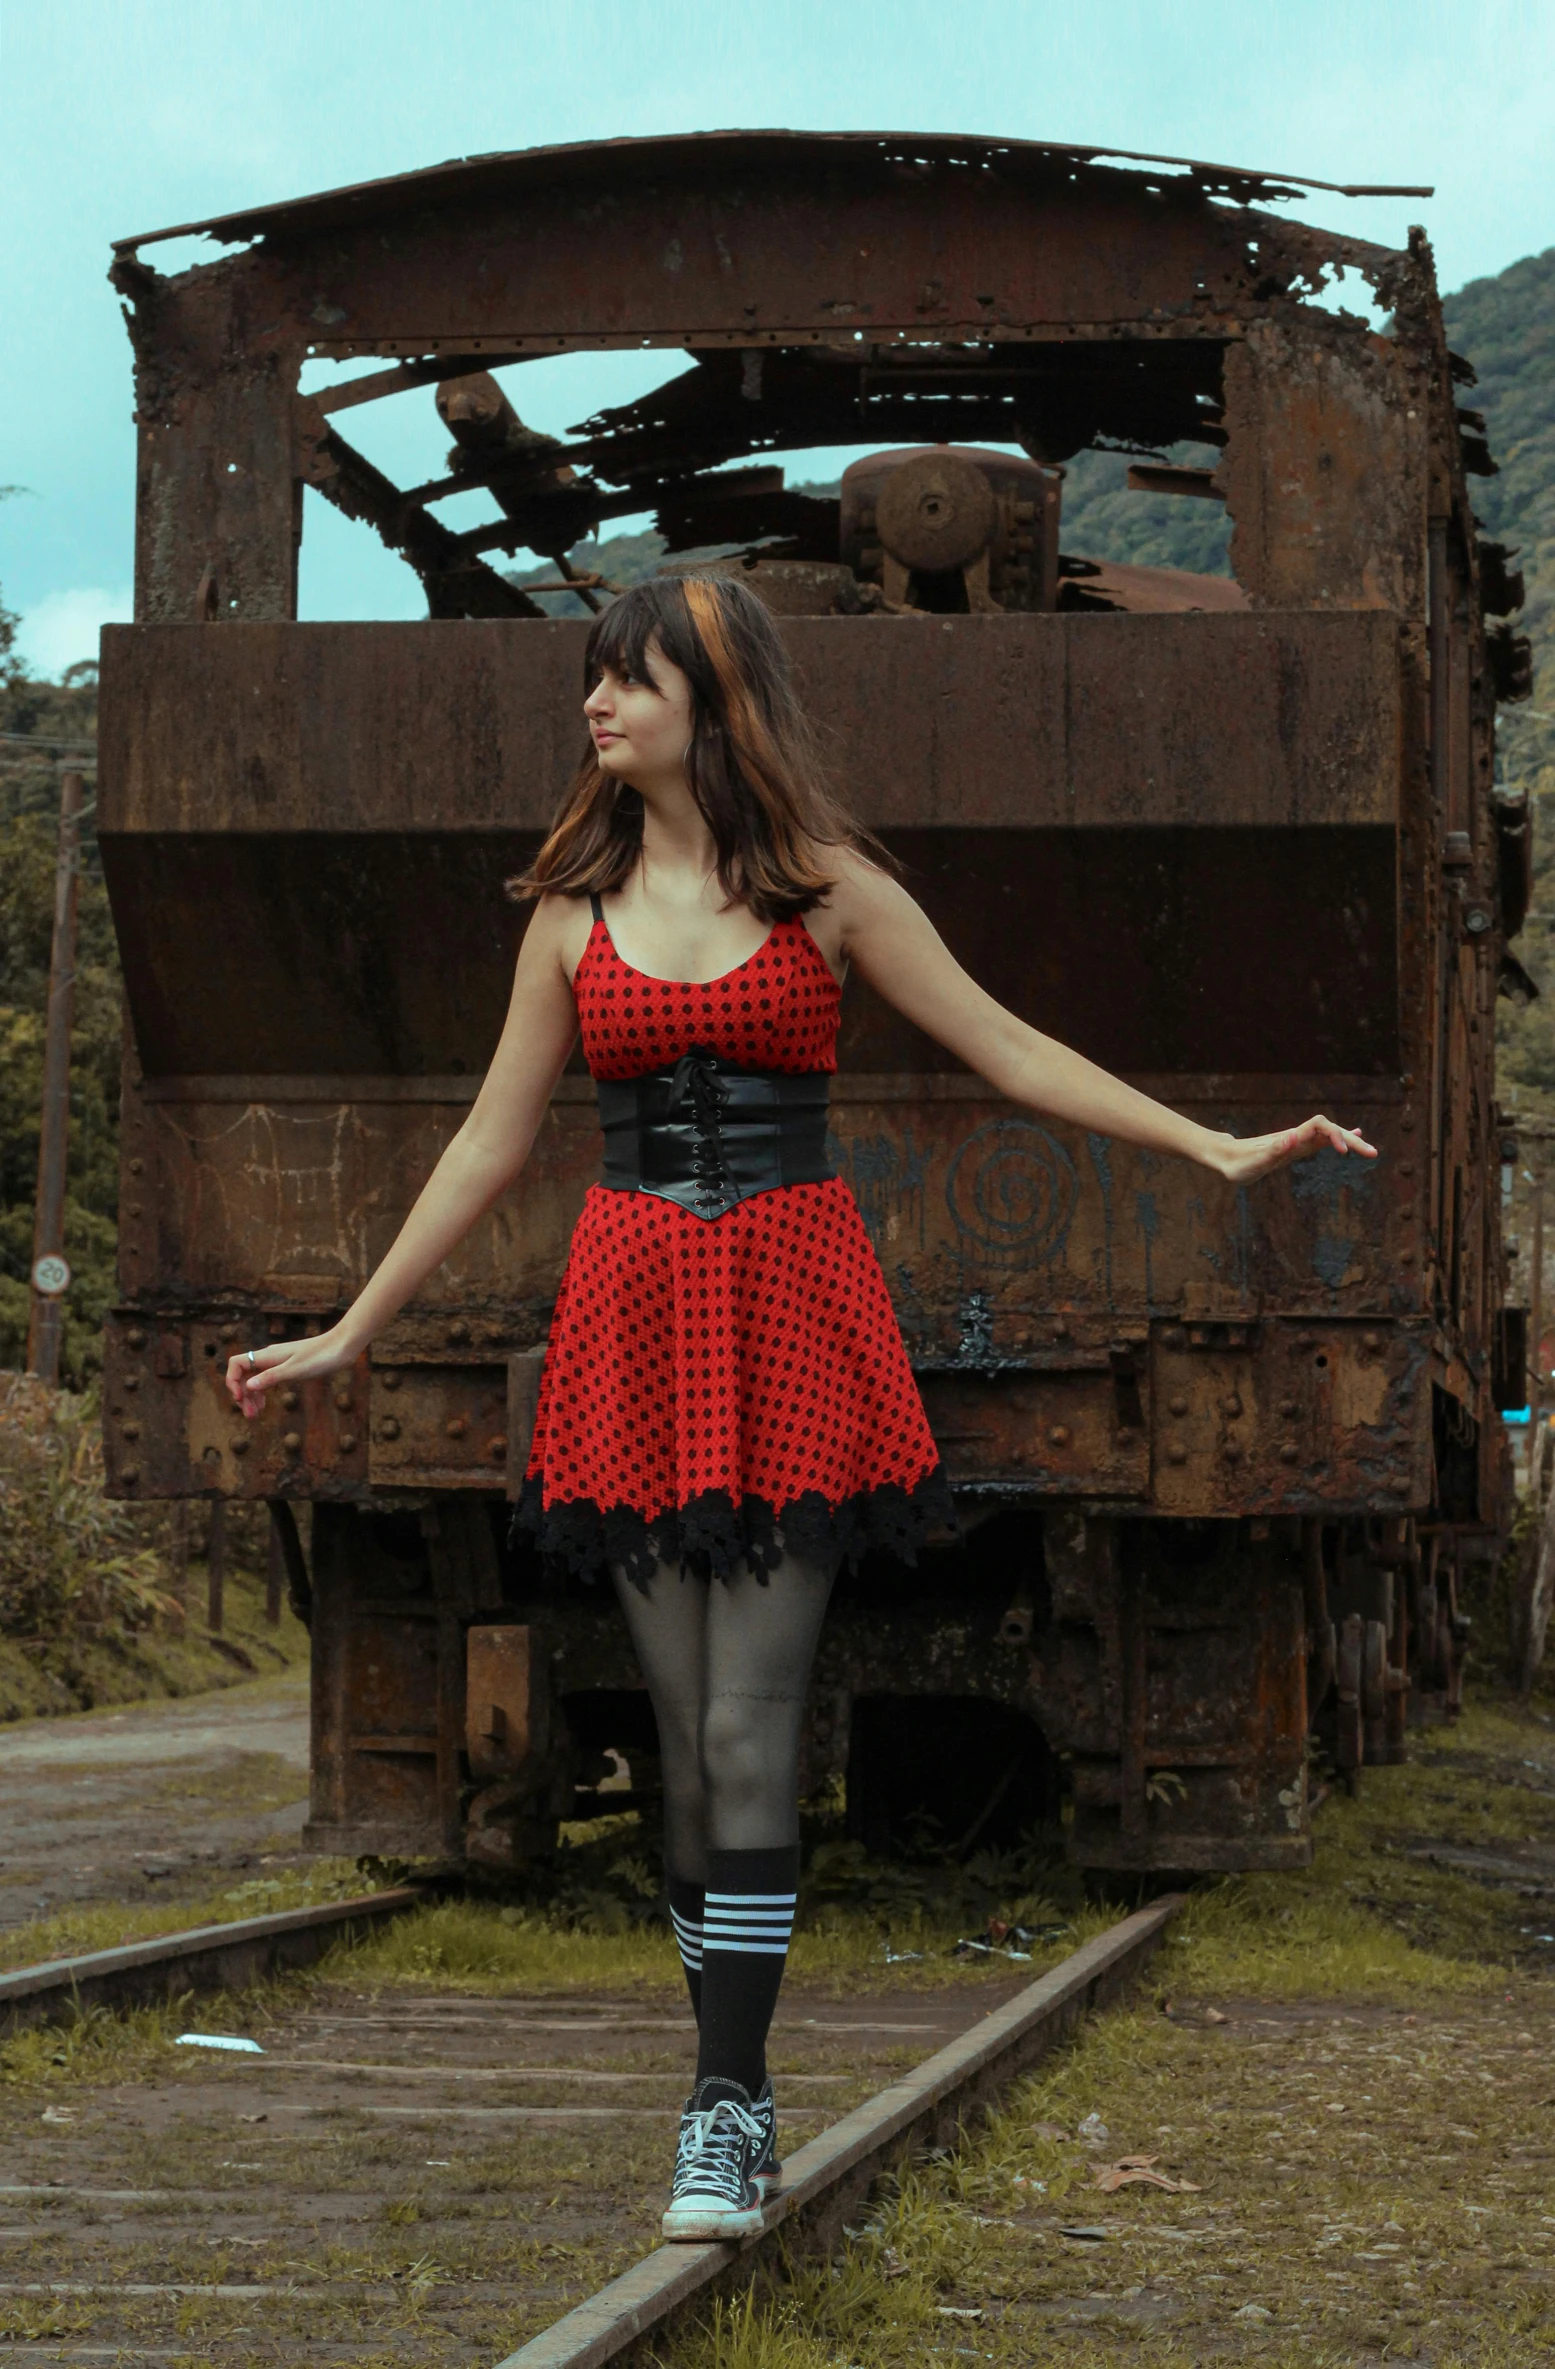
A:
467, 1945
75, 1932
71, 1673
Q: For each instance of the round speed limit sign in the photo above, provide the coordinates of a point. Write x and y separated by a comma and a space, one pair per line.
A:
51, 1275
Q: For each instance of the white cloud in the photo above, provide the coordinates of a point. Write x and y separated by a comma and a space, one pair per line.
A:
62, 628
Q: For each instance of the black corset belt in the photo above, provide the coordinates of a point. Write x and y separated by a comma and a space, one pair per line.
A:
709, 1134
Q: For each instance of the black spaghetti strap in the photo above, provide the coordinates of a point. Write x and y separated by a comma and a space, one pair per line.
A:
595, 907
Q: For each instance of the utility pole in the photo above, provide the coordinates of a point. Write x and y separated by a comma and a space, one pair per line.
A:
50, 1271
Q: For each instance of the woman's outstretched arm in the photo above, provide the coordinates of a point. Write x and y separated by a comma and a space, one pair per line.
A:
479, 1164
898, 950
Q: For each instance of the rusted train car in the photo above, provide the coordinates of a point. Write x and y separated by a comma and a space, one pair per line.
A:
1219, 1455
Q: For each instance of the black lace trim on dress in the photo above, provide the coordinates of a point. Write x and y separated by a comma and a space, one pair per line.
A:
712, 1535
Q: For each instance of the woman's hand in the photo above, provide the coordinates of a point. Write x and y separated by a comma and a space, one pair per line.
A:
287, 1362
1242, 1159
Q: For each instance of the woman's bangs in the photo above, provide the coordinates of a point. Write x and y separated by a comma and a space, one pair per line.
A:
620, 636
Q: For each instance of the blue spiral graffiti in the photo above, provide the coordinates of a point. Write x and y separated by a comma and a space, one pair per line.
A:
1011, 1190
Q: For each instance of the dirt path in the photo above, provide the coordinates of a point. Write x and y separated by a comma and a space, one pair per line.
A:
151, 1801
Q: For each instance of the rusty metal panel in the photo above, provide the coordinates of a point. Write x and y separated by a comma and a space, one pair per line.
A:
437, 1427
507, 1699
1326, 472
971, 723
1293, 1419
594, 165
1056, 1433
836, 240
170, 1429
289, 1204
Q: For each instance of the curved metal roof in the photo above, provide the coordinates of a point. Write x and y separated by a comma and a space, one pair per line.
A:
466, 179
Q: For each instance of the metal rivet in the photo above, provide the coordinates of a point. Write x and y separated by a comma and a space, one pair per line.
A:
135, 1338
1232, 1452
288, 1399
388, 1428
1058, 1437
390, 1381
137, 1209
1289, 1452
347, 1443
136, 1166
1371, 1340
458, 1331
1175, 1337
497, 1449
130, 1430
1290, 1408
130, 1475
1231, 1407
132, 1381
343, 1398
457, 1426
241, 1444
1176, 1453
1179, 1406
230, 1332
292, 1442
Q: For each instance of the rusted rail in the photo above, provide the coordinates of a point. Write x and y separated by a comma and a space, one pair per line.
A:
207, 1958
825, 2181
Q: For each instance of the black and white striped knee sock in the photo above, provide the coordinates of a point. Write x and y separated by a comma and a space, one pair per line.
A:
686, 1916
747, 1919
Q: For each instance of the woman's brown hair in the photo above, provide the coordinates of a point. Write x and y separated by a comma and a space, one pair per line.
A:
752, 764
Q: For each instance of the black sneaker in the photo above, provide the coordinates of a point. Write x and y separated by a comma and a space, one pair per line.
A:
767, 2170
715, 2192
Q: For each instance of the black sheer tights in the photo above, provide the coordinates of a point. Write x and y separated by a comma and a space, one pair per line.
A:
726, 1664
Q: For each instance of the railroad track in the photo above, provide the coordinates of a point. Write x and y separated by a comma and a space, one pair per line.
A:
448, 2172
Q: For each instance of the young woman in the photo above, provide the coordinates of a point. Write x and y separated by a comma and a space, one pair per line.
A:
726, 1412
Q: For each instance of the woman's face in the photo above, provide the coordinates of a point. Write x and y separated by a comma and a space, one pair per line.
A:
642, 728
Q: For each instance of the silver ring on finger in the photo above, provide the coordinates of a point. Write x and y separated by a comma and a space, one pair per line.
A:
252, 1356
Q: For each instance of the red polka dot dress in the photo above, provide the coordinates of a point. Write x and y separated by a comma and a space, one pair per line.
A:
719, 1390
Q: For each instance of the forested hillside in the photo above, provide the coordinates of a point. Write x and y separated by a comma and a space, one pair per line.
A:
1506, 328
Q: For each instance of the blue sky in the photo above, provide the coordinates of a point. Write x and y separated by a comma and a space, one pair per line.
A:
126, 115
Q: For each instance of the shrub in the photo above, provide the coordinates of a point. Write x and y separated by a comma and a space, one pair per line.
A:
71, 1561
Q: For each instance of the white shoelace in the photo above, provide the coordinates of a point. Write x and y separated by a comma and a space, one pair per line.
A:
710, 2152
